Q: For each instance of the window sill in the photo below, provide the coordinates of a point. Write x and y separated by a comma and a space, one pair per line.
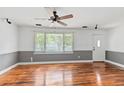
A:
70, 52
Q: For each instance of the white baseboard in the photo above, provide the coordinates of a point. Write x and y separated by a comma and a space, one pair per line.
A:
47, 62
98, 60
7, 69
114, 63
55, 62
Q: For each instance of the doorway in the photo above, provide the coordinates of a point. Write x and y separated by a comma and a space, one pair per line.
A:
98, 47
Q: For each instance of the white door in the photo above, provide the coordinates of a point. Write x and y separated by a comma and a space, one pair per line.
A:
98, 47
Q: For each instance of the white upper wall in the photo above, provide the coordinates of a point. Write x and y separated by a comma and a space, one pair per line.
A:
8, 38
82, 38
116, 38
26, 39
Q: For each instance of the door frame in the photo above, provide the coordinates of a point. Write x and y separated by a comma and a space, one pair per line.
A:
93, 35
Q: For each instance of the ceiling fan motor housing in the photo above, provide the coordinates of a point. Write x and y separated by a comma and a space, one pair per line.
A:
55, 16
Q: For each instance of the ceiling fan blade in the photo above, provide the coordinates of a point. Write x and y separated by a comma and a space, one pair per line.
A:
41, 18
65, 17
62, 23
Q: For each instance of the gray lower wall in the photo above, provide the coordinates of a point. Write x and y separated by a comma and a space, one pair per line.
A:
115, 56
10, 59
25, 56
7, 60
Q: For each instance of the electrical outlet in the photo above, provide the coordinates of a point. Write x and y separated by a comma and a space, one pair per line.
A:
79, 57
31, 59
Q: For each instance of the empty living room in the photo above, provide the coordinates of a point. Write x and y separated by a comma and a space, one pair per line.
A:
61, 46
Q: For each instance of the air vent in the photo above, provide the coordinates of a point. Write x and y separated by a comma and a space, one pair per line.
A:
38, 24
84, 26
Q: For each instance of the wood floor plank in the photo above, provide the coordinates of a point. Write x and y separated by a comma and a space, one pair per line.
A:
71, 74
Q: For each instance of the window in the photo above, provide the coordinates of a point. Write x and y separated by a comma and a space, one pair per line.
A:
68, 42
98, 43
39, 46
53, 42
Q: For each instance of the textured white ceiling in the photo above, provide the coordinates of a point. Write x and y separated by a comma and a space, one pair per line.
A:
82, 15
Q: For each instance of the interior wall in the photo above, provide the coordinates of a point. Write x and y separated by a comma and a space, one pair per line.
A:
8, 44
26, 38
82, 44
116, 39
82, 38
115, 51
8, 38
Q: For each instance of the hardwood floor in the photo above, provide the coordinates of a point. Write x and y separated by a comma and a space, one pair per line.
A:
83, 74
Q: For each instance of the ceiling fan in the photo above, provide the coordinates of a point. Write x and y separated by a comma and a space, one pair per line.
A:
56, 18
